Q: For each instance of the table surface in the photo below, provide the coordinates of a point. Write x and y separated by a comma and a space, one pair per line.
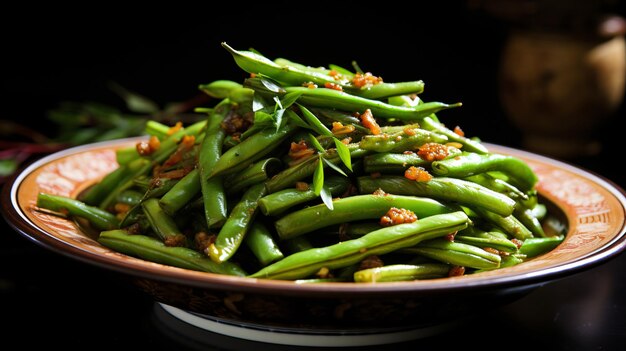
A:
52, 300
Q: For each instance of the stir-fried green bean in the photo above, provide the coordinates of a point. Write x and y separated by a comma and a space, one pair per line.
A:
325, 175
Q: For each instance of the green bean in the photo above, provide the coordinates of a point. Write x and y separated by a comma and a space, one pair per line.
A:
400, 142
181, 193
505, 261
353, 208
388, 162
125, 155
469, 164
498, 185
129, 197
280, 201
305, 263
536, 246
260, 241
528, 219
288, 177
135, 168
338, 116
401, 272
213, 195
329, 98
455, 253
251, 149
468, 144
159, 187
441, 188
162, 224
237, 225
154, 250
157, 129
219, 89
484, 242
170, 144
509, 224
99, 218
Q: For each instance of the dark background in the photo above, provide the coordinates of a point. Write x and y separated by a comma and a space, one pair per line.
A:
60, 54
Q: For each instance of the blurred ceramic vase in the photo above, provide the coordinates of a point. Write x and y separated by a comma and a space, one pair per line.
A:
559, 88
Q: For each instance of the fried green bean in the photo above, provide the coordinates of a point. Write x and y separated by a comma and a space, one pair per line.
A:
469, 164
181, 193
155, 250
441, 188
455, 253
401, 272
162, 224
400, 142
509, 224
537, 246
354, 208
255, 173
262, 244
389, 162
237, 225
99, 218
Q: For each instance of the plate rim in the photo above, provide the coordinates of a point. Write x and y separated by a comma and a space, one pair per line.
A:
18, 220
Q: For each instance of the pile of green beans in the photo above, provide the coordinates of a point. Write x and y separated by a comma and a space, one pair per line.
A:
287, 178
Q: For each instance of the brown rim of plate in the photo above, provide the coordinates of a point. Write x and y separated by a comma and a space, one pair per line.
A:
504, 278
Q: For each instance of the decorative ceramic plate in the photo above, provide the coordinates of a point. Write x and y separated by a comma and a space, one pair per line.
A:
590, 208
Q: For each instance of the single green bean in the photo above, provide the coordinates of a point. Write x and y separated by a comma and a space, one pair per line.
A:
97, 217
157, 129
509, 224
536, 246
251, 149
354, 208
95, 194
456, 253
280, 201
181, 193
305, 263
125, 155
129, 197
260, 241
528, 219
388, 162
400, 142
162, 224
213, 194
491, 241
401, 272
237, 225
329, 98
498, 185
469, 164
219, 89
441, 188
154, 250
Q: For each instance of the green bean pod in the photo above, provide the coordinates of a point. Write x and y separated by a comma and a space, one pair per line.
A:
468, 144
469, 164
455, 253
125, 155
401, 272
99, 218
154, 250
255, 173
499, 244
351, 209
280, 201
260, 241
181, 193
95, 194
387, 162
251, 149
329, 98
536, 246
509, 224
305, 263
400, 142
130, 197
162, 224
219, 89
237, 225
441, 188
